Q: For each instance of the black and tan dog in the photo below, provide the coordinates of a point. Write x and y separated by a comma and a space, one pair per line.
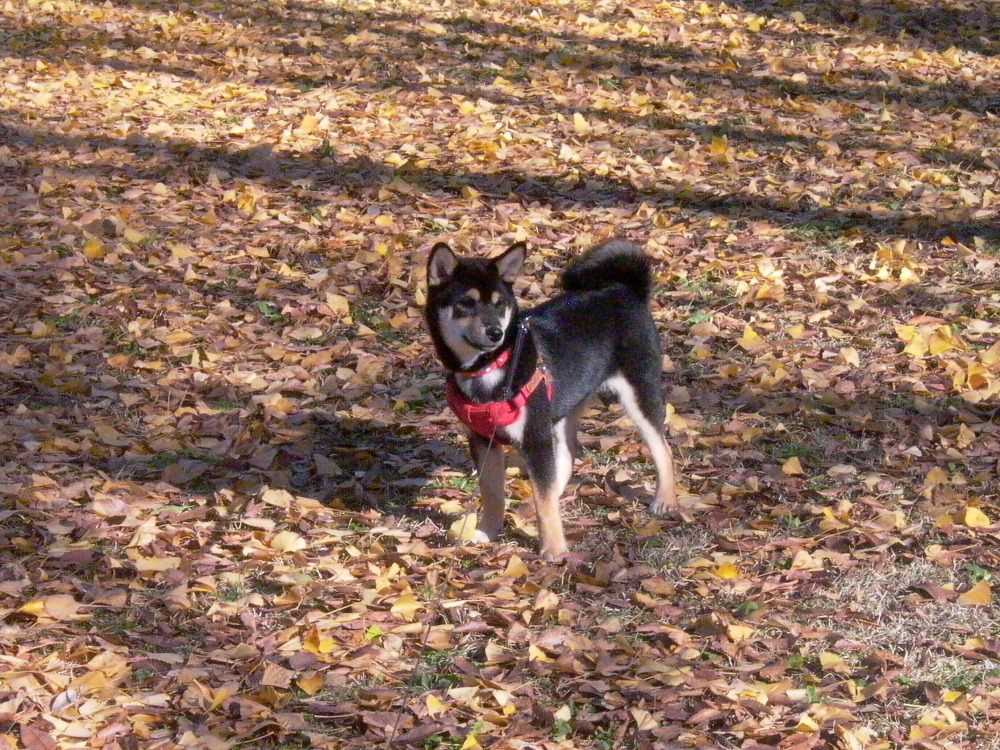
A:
522, 377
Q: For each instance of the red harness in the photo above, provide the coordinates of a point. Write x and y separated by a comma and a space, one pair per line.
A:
487, 419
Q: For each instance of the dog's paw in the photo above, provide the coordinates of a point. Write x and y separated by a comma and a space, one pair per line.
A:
669, 509
481, 537
555, 554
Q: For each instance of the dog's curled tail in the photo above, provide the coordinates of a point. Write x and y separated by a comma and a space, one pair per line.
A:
614, 262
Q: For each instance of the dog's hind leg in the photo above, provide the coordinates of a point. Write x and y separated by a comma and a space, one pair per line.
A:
571, 429
643, 402
490, 464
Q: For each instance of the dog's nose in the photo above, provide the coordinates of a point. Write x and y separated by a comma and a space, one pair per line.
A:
494, 333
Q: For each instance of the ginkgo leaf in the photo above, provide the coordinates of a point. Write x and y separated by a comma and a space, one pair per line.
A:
792, 466
738, 633
980, 594
56, 607
406, 606
310, 682
464, 529
515, 568
751, 340
727, 571
643, 719
833, 662
976, 518
287, 541
434, 705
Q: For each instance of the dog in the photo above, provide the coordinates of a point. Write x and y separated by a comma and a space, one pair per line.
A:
523, 377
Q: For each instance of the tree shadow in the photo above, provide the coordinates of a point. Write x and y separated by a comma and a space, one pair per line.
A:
935, 24
460, 52
168, 160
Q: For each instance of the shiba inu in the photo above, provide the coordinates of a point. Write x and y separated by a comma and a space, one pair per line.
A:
522, 377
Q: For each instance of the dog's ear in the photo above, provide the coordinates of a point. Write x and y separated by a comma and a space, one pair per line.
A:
509, 264
441, 265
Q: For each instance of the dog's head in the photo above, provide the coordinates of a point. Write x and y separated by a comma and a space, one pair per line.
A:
470, 303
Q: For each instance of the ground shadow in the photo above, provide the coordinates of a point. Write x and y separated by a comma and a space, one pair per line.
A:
171, 160
937, 24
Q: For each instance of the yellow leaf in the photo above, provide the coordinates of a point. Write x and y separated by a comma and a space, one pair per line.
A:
287, 541
515, 568
727, 571
471, 743
580, 124
94, 249
182, 251
918, 347
311, 682
943, 340
308, 125
739, 633
797, 331
568, 154
965, 437
719, 145
849, 356
536, 654
563, 714
278, 498
978, 594
434, 706
338, 304
545, 601
406, 606
833, 662
35, 607
937, 475
991, 356
792, 466
317, 643
976, 519
61, 606
802, 560
751, 340
133, 235
644, 720
464, 529
806, 725
155, 564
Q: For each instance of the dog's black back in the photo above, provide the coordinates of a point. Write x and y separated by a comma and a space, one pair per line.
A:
599, 326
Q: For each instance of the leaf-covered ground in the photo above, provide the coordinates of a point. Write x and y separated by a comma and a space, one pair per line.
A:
228, 474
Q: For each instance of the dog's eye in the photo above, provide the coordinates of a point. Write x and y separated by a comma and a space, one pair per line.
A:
465, 306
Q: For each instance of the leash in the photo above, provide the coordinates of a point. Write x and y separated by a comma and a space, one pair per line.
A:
522, 330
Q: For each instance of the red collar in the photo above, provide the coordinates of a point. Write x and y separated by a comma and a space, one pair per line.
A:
494, 365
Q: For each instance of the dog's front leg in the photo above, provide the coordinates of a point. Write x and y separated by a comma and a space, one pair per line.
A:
490, 465
545, 457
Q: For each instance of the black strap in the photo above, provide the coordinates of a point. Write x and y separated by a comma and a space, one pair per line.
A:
522, 331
